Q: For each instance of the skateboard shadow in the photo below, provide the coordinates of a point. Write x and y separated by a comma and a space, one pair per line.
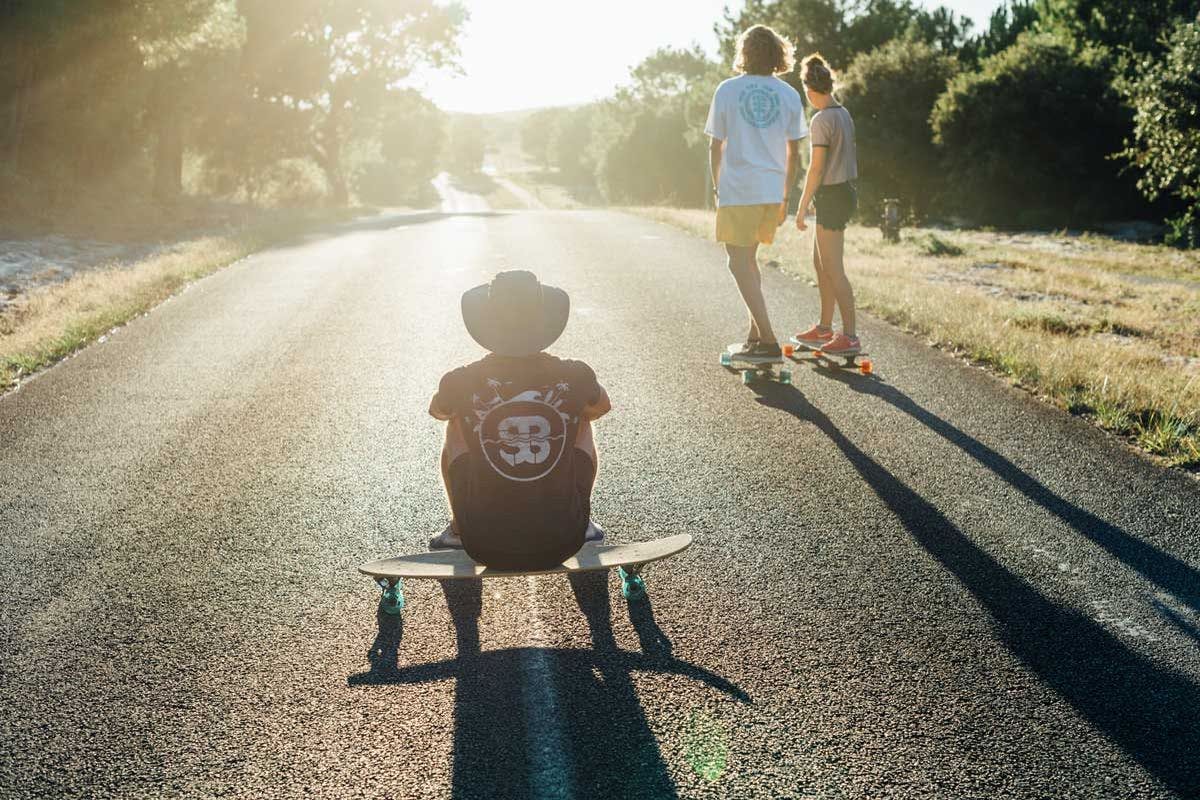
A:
553, 722
1157, 566
1147, 709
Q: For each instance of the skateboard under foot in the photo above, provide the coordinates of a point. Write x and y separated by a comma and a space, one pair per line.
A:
755, 370
797, 349
627, 559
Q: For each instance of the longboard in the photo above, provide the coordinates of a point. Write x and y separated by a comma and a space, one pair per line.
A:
857, 361
754, 369
627, 559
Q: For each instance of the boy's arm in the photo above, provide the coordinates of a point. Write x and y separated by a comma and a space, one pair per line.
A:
599, 408
816, 171
716, 149
793, 167
436, 411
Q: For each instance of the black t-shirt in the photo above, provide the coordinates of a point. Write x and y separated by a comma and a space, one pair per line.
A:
520, 419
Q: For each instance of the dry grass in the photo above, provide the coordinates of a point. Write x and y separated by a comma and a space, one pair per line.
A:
1105, 329
51, 323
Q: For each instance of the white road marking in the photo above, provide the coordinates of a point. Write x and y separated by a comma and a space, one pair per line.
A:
549, 767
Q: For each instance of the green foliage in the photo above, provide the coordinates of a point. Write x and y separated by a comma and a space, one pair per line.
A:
891, 92
399, 150
1006, 23
647, 143
1165, 146
841, 30
101, 93
1027, 139
1117, 24
468, 143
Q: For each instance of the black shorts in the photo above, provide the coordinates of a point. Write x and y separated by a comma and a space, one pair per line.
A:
538, 542
836, 204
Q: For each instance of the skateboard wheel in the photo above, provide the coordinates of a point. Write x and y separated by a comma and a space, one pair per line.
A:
633, 587
392, 599
726, 360
747, 376
789, 350
866, 366
785, 376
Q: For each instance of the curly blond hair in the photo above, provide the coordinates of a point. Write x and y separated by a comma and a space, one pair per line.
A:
762, 51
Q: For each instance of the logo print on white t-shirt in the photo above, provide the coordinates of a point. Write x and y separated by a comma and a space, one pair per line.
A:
759, 105
523, 437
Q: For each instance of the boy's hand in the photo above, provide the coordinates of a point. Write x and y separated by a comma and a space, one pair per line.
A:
599, 408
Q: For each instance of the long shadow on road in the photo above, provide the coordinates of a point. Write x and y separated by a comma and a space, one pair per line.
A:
1147, 709
548, 722
1161, 568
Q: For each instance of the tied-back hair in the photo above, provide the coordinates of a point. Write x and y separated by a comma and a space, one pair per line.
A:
816, 74
762, 51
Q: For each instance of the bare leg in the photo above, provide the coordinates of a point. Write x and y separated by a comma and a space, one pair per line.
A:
830, 245
743, 264
586, 441
824, 288
453, 447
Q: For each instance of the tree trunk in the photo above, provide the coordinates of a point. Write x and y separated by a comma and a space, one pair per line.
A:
168, 149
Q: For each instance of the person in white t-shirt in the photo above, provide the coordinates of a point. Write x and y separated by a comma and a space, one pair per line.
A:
756, 122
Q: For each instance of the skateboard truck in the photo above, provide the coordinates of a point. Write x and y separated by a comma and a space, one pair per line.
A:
633, 586
392, 599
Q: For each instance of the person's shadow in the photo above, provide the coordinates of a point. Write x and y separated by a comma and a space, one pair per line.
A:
1146, 708
548, 722
1169, 573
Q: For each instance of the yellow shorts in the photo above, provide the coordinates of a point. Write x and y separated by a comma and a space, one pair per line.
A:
743, 226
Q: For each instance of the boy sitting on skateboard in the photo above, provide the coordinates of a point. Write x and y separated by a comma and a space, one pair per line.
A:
519, 460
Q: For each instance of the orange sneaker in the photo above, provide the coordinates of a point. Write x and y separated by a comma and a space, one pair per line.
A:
816, 336
842, 345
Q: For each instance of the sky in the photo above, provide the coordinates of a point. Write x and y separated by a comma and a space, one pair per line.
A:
519, 54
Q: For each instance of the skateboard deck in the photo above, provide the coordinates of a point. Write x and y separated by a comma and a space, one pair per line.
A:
857, 361
627, 559
753, 369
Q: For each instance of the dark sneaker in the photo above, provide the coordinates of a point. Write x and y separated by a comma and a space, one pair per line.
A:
764, 352
446, 540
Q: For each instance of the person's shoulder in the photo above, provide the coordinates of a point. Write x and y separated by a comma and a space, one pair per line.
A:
459, 374
571, 366
729, 85
788, 90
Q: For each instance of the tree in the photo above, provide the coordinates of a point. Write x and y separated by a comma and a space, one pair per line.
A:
325, 59
1165, 146
1007, 23
537, 134
468, 145
891, 92
647, 142
1118, 24
1027, 139
842, 29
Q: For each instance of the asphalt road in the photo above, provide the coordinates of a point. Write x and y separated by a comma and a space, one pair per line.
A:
924, 584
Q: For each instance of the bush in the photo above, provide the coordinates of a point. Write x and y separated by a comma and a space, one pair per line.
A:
1165, 91
1028, 139
891, 91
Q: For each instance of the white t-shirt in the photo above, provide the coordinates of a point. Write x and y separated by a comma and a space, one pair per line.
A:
756, 116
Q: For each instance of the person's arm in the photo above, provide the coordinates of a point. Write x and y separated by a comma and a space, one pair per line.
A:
793, 166
599, 407
716, 149
816, 171
436, 411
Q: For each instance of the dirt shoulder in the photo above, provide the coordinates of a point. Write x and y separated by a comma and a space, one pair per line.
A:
62, 291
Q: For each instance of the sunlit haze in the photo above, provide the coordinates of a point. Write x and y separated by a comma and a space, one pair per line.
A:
531, 53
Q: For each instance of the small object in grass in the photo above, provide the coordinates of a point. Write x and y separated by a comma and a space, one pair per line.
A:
889, 221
